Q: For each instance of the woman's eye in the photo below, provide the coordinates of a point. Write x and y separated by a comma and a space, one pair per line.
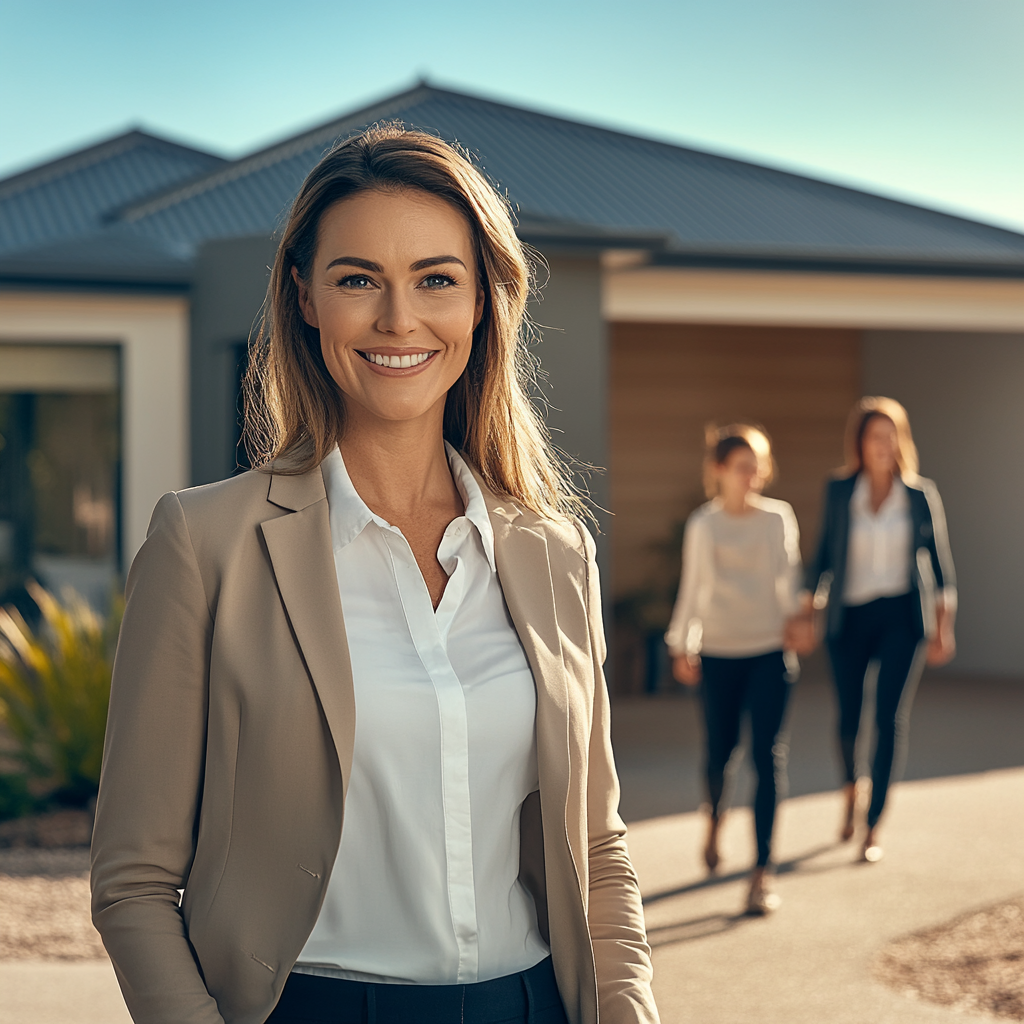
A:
438, 281
356, 281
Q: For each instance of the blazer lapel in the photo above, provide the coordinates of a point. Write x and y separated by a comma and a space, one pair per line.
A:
299, 545
524, 568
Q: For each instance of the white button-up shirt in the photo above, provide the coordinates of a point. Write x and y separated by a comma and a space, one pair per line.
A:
878, 558
425, 889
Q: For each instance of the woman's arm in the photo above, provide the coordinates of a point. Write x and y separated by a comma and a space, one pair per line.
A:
146, 812
797, 604
942, 646
822, 560
622, 957
681, 637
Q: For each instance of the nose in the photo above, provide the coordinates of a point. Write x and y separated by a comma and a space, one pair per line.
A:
397, 316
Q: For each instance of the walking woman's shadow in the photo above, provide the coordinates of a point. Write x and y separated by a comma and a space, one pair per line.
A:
715, 924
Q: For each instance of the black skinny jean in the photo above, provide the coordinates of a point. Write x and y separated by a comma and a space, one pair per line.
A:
761, 686
884, 630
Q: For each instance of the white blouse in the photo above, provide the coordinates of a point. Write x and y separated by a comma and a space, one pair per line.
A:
425, 889
878, 556
739, 581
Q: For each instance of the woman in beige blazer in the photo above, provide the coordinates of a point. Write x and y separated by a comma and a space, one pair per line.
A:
375, 787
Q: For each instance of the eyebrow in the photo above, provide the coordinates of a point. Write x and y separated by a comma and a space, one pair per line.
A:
376, 268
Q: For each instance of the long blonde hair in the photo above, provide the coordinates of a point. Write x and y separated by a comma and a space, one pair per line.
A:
295, 412
866, 409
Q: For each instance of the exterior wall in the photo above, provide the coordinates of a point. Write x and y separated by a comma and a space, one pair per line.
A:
963, 394
669, 380
153, 336
229, 286
573, 355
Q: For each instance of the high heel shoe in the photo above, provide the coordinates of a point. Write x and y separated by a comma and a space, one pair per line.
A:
871, 853
761, 900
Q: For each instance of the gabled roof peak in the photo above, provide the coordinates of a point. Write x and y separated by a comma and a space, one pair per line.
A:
93, 153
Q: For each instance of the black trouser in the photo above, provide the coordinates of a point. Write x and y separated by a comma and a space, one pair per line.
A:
530, 997
886, 631
761, 685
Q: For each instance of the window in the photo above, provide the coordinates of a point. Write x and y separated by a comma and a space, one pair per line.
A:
60, 464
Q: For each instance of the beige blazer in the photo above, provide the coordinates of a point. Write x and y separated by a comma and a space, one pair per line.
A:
229, 748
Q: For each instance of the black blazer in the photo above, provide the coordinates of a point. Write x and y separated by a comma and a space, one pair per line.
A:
930, 558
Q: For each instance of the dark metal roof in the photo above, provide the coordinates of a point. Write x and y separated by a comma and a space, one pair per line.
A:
572, 183
77, 195
708, 207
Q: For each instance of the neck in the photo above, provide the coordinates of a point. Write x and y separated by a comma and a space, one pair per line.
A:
880, 480
881, 485
735, 504
399, 467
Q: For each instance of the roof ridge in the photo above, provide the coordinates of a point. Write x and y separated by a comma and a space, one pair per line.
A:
742, 162
275, 152
49, 170
329, 130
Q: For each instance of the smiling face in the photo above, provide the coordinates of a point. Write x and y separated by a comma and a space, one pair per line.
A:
394, 292
879, 446
739, 475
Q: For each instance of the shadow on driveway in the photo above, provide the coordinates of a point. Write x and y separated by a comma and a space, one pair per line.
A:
958, 726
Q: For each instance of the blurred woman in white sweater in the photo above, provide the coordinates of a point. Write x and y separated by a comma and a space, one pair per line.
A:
741, 574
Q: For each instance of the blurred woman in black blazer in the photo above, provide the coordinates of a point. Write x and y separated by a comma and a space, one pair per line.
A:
884, 572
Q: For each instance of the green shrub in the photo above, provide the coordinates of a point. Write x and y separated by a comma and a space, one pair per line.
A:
54, 693
15, 798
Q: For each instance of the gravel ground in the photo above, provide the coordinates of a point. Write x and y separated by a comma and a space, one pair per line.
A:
975, 962
44, 906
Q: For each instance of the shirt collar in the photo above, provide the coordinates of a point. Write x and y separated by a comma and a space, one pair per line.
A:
895, 500
476, 508
349, 514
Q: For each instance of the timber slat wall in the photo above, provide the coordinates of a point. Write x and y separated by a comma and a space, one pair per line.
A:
669, 380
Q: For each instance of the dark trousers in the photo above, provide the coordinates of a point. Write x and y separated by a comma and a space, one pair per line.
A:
886, 631
761, 686
530, 997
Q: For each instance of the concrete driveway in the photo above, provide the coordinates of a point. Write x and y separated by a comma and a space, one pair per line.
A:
954, 840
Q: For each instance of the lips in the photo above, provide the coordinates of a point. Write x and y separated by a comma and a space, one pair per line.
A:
398, 362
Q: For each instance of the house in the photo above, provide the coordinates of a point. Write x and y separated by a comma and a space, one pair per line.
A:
681, 287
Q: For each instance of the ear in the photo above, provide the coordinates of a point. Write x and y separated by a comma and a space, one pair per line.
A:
306, 307
478, 314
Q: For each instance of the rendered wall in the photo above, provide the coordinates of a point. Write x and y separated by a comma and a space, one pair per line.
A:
229, 284
963, 392
573, 355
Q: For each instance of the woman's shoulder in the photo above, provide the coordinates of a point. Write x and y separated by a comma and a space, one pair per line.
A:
236, 494
702, 513
921, 483
841, 481
772, 506
781, 512
925, 495
233, 507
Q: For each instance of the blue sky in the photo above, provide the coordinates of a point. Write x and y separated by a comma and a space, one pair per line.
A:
921, 99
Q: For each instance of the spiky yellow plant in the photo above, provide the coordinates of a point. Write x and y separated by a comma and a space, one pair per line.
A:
54, 692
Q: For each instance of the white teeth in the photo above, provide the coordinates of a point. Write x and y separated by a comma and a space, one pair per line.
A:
398, 362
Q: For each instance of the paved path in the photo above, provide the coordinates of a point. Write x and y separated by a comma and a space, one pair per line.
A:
951, 845
954, 840
79, 992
